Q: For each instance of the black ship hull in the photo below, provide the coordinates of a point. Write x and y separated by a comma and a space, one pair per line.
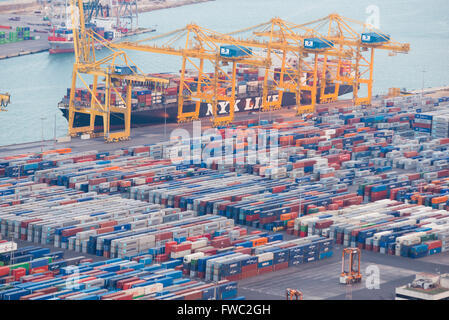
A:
157, 114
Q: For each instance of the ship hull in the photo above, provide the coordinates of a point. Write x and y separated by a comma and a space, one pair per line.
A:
61, 47
169, 112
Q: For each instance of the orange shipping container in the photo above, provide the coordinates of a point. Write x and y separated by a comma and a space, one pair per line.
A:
348, 135
437, 200
410, 154
260, 241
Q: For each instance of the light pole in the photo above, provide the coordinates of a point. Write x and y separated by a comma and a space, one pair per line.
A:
165, 121
42, 134
422, 92
55, 130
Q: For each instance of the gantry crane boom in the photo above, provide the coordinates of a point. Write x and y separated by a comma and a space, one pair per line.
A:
202, 44
301, 78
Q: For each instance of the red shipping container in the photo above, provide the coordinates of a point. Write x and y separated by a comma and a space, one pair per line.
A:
123, 271
360, 149
114, 294
70, 232
443, 173
86, 279
39, 270
36, 278
278, 189
323, 224
221, 243
243, 250
163, 236
252, 217
210, 251
122, 296
105, 230
67, 202
4, 271
193, 295
129, 284
121, 283
410, 154
18, 273
169, 245
181, 247
97, 181
250, 267
33, 295
207, 235
162, 257
434, 244
280, 266
86, 260
265, 270
252, 273
47, 290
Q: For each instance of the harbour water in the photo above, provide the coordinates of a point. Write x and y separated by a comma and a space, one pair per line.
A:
38, 82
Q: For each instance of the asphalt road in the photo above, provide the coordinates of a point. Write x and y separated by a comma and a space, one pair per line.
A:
139, 136
67, 253
320, 279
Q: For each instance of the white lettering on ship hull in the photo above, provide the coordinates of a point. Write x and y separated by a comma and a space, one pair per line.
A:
250, 104
222, 106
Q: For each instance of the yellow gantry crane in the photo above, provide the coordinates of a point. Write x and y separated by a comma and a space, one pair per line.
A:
298, 59
5, 99
111, 71
200, 50
346, 35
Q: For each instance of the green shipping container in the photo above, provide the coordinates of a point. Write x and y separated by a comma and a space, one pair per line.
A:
25, 265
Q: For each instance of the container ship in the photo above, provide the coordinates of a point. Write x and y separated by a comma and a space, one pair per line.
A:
104, 19
149, 106
61, 38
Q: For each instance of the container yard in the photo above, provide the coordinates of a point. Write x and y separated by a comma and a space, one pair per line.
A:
264, 163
